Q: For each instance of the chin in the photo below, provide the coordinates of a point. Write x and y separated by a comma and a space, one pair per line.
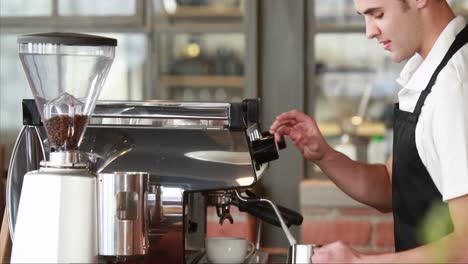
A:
396, 57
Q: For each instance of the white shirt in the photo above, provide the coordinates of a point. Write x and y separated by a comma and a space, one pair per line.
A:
442, 129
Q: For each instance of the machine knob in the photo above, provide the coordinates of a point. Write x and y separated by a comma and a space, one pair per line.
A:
281, 143
265, 149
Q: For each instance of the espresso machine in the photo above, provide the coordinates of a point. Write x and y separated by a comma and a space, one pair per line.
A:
159, 166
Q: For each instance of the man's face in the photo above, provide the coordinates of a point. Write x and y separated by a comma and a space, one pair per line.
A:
393, 25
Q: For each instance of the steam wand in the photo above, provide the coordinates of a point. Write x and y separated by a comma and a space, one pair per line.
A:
290, 238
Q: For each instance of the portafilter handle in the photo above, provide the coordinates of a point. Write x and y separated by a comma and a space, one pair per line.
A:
265, 212
288, 234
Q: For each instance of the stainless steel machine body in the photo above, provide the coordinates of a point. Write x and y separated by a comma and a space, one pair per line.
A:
123, 214
195, 146
188, 150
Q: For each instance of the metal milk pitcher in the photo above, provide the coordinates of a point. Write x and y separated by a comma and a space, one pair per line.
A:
301, 253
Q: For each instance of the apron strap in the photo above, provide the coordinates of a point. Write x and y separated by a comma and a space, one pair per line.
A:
460, 41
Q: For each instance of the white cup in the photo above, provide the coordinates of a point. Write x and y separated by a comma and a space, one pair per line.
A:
228, 249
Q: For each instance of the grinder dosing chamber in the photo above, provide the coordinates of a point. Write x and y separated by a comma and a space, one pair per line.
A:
57, 215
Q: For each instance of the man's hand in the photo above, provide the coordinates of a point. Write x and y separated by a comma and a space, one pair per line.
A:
303, 131
337, 252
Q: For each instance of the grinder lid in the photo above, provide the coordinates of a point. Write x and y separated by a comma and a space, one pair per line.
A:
66, 38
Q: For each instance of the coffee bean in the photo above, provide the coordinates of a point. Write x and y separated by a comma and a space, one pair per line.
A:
65, 131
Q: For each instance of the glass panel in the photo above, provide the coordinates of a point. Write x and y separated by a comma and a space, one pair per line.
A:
343, 13
200, 50
199, 8
25, 8
201, 67
97, 8
356, 77
126, 77
357, 82
336, 12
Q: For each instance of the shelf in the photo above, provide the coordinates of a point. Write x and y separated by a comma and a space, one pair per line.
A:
367, 129
198, 27
371, 129
206, 12
357, 27
344, 69
334, 28
329, 129
207, 81
199, 19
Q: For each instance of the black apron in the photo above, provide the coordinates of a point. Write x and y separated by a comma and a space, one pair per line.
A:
413, 190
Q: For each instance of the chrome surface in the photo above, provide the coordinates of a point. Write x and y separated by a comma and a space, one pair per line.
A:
253, 132
154, 204
178, 238
164, 203
222, 200
161, 110
64, 159
27, 153
162, 153
123, 214
180, 144
220, 197
301, 253
103, 148
165, 207
224, 213
195, 222
259, 234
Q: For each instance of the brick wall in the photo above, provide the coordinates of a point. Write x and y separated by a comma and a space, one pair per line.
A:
330, 215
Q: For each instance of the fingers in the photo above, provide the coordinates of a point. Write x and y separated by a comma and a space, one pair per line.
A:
291, 118
325, 248
277, 124
282, 131
293, 132
332, 247
324, 253
293, 114
282, 128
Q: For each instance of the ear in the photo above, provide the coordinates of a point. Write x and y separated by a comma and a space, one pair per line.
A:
421, 3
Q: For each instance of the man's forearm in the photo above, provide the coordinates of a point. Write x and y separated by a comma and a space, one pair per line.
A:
369, 184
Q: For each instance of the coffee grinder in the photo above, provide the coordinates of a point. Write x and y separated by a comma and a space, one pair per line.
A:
57, 214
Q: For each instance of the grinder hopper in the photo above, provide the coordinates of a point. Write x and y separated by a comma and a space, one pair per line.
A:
66, 72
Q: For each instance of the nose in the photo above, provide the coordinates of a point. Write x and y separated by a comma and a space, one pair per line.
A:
372, 30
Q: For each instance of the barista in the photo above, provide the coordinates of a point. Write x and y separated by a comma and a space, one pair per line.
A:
430, 152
